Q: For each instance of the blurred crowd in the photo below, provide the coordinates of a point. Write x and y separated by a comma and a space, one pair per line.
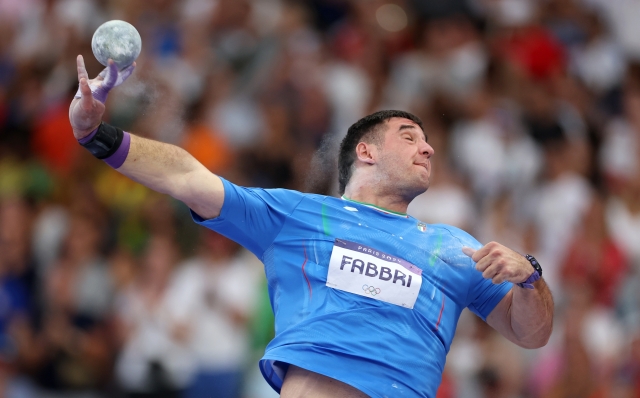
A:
532, 106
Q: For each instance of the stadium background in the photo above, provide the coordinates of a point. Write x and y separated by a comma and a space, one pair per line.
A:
532, 106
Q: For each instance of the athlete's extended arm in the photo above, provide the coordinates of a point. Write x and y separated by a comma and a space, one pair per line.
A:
162, 167
524, 316
172, 170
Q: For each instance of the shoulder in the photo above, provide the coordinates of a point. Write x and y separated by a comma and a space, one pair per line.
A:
446, 242
455, 235
278, 193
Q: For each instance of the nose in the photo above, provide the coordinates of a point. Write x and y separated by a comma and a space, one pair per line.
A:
426, 149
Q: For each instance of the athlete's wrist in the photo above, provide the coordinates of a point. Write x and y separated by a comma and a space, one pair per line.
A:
84, 135
535, 275
108, 143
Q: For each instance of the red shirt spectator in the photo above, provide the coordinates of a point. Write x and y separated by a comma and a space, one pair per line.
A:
534, 50
594, 258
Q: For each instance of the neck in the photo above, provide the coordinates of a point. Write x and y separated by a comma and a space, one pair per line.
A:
374, 195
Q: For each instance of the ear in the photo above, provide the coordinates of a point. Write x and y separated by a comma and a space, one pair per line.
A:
366, 153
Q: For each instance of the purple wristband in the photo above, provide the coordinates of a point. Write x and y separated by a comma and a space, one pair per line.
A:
120, 155
117, 159
528, 284
88, 138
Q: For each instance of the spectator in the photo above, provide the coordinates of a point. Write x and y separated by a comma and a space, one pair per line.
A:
69, 354
593, 258
155, 358
218, 290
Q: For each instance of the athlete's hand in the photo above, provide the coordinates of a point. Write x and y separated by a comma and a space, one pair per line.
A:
87, 107
499, 263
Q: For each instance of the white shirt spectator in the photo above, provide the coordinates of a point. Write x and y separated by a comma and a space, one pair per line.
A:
560, 205
209, 297
151, 339
446, 204
416, 76
624, 227
622, 17
619, 153
600, 64
491, 159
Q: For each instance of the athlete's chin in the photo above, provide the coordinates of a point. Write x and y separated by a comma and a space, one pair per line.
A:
424, 188
425, 182
412, 187
420, 188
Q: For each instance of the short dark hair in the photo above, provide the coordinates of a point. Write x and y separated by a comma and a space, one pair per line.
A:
367, 130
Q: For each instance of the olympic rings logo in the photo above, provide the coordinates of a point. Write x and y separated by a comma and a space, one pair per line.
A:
370, 290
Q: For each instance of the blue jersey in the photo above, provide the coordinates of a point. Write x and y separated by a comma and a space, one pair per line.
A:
359, 295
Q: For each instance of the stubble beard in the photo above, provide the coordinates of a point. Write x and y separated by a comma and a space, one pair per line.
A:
402, 183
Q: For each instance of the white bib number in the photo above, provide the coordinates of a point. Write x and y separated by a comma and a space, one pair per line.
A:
368, 272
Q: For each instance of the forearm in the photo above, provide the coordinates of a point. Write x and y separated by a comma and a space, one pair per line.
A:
157, 165
171, 170
531, 315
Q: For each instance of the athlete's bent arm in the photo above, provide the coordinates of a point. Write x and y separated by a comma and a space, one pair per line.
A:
524, 316
162, 167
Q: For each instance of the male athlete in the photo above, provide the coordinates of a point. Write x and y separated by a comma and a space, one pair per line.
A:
366, 298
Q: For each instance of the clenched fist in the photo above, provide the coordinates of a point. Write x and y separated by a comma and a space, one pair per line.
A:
500, 264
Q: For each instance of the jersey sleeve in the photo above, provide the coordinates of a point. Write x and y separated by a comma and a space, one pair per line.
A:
485, 295
482, 295
252, 217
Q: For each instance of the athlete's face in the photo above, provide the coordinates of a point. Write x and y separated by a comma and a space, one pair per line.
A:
404, 157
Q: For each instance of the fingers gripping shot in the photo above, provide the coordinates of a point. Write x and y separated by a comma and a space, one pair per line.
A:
333, 336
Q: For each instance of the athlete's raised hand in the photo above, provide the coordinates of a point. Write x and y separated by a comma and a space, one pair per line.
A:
499, 263
87, 107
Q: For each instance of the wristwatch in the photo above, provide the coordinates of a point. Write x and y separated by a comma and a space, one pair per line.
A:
537, 273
